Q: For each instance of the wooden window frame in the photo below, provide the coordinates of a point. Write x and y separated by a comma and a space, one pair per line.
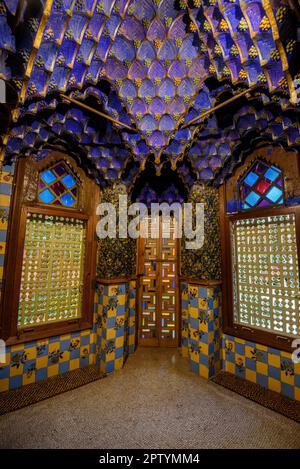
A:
24, 201
278, 341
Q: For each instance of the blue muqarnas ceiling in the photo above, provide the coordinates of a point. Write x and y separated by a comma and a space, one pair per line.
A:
153, 65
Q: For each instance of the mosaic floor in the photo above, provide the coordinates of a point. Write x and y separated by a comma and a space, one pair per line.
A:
154, 402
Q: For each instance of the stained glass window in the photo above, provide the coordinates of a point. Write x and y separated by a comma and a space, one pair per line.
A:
266, 274
52, 270
262, 186
58, 186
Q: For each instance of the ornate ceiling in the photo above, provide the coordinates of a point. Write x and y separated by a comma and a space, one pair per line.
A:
153, 65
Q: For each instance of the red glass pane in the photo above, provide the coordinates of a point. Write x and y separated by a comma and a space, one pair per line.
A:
262, 186
58, 188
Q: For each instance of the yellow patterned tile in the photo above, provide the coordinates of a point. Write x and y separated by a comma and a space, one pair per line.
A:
230, 345
203, 371
111, 312
4, 201
119, 363
287, 378
53, 347
16, 371
28, 379
194, 356
286, 355
262, 368
248, 351
74, 364
274, 360
31, 353
274, 384
17, 348
202, 303
4, 384
193, 312
121, 300
239, 341
65, 337
297, 394
204, 348
297, 368
93, 337
65, 356
263, 348
41, 362
53, 370
250, 375
230, 367
131, 340
92, 359
110, 334
119, 342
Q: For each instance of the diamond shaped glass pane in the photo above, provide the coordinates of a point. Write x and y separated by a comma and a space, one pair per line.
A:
46, 196
69, 181
274, 194
272, 173
252, 198
251, 178
67, 200
48, 176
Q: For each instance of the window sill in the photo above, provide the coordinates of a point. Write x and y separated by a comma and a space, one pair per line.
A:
45, 332
267, 339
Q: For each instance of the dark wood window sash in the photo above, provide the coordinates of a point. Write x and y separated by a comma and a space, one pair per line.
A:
14, 257
271, 339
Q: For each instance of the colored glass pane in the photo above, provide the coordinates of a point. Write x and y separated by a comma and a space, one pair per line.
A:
60, 169
58, 188
252, 198
48, 176
69, 181
272, 173
46, 196
262, 186
251, 178
274, 194
67, 200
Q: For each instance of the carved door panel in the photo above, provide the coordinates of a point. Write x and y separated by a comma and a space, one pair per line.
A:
158, 312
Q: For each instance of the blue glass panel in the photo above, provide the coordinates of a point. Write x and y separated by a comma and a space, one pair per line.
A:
252, 198
69, 181
246, 206
48, 176
67, 200
274, 194
46, 196
272, 173
251, 179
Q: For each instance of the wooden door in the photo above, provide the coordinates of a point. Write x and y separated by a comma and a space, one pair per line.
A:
158, 308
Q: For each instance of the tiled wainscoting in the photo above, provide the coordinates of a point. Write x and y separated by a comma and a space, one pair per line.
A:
107, 344
209, 350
